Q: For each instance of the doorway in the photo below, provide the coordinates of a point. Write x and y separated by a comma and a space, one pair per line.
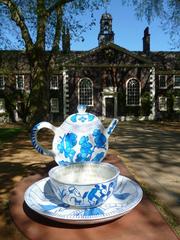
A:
109, 107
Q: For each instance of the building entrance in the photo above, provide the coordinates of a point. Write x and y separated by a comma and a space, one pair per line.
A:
109, 106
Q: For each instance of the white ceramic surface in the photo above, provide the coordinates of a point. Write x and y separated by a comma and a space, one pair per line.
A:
40, 198
84, 184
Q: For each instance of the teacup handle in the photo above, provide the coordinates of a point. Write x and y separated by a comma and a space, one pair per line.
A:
35, 142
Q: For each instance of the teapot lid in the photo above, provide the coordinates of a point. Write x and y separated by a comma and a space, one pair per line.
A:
82, 117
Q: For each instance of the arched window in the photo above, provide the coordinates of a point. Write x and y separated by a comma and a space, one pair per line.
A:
133, 92
86, 92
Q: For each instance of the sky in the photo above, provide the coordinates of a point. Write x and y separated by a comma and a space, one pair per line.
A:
128, 31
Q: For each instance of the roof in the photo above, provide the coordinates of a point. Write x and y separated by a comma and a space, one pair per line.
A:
168, 61
81, 55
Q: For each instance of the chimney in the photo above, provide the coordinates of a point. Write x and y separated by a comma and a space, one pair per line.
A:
146, 41
65, 40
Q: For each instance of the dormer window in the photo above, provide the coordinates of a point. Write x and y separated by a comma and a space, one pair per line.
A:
20, 82
162, 81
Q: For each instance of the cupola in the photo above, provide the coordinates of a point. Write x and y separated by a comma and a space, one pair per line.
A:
106, 35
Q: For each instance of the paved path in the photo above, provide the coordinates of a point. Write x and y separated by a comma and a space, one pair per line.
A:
152, 153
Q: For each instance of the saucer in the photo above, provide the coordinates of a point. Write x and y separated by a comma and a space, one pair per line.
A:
40, 198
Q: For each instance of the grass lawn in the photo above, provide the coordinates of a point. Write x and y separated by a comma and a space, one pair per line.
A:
7, 134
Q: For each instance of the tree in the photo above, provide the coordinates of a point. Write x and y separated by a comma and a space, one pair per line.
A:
38, 26
168, 11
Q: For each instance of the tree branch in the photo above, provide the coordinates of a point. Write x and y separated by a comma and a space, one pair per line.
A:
41, 24
58, 4
57, 29
17, 17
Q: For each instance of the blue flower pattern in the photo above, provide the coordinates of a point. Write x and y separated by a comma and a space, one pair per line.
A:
99, 139
68, 143
82, 118
86, 150
74, 118
91, 117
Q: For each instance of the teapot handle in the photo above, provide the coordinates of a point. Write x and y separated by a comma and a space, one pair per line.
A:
35, 142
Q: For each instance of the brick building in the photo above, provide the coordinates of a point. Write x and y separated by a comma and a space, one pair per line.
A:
111, 80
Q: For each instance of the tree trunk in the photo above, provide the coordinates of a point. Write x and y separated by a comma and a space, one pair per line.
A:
39, 96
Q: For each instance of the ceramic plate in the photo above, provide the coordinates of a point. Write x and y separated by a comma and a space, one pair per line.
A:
40, 198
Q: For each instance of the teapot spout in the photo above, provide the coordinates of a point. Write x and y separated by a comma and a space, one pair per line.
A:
111, 127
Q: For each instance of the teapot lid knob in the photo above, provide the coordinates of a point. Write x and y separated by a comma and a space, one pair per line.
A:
81, 108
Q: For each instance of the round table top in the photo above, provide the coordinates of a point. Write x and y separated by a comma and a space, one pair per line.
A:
141, 223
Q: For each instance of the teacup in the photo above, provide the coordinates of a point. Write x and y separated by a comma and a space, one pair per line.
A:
84, 185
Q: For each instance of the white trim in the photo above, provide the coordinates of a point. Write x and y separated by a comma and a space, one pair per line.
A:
17, 78
16, 114
65, 105
92, 90
133, 105
104, 105
152, 93
2, 105
110, 95
175, 87
159, 78
109, 89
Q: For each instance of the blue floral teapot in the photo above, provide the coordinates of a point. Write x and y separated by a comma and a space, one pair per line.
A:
80, 138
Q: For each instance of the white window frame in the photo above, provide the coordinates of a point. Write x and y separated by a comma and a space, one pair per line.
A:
2, 77
2, 105
162, 109
92, 101
54, 78
17, 84
165, 78
133, 105
54, 107
174, 80
176, 107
